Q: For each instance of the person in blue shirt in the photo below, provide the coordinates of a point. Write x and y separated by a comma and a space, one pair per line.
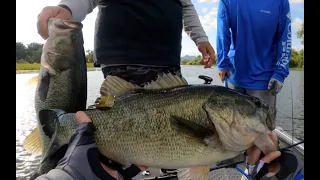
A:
254, 46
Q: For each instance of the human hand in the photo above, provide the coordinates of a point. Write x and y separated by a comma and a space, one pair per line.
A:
51, 12
275, 86
223, 73
83, 156
208, 54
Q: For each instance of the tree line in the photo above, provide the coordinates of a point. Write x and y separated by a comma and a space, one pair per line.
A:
31, 53
296, 61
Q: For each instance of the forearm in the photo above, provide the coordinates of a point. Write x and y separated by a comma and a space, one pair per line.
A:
284, 46
223, 38
80, 8
192, 24
223, 47
55, 174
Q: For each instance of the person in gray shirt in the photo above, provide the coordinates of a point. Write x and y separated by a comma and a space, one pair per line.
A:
136, 40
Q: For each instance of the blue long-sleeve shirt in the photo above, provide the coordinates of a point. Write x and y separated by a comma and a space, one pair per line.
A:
254, 41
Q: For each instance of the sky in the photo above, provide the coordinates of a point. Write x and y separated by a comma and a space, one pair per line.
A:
27, 12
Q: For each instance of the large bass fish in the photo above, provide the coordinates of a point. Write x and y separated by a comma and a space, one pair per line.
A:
168, 124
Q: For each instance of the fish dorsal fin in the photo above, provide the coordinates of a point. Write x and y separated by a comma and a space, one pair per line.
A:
104, 102
194, 173
166, 80
116, 86
32, 143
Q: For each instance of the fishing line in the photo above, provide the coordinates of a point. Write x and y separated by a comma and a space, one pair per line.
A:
292, 113
293, 145
296, 118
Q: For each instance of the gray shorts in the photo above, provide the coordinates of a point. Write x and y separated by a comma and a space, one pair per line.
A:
262, 94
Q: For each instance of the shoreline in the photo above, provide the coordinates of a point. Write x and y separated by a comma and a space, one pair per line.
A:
37, 71
97, 69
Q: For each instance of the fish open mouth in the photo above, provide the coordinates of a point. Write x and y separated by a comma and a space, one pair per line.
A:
65, 24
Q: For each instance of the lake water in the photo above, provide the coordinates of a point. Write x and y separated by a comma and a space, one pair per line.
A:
290, 100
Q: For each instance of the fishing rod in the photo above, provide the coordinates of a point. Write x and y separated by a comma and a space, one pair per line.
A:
292, 113
293, 145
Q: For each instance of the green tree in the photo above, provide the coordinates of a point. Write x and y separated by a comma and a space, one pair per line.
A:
300, 33
21, 51
35, 56
32, 47
184, 62
297, 59
294, 61
89, 56
195, 61
301, 56
34, 51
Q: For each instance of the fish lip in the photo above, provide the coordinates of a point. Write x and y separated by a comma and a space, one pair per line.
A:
65, 24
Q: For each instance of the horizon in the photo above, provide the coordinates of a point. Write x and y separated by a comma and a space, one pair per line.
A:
26, 29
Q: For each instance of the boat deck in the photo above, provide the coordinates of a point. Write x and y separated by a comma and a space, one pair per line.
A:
219, 174
231, 173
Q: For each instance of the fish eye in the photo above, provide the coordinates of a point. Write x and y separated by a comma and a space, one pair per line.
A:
257, 102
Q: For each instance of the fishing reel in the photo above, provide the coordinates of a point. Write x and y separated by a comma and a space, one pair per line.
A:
207, 79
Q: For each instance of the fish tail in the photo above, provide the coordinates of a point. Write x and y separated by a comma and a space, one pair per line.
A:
32, 143
49, 121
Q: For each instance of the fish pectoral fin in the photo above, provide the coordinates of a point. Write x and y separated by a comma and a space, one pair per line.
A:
166, 80
191, 128
33, 81
116, 86
194, 173
32, 143
104, 102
